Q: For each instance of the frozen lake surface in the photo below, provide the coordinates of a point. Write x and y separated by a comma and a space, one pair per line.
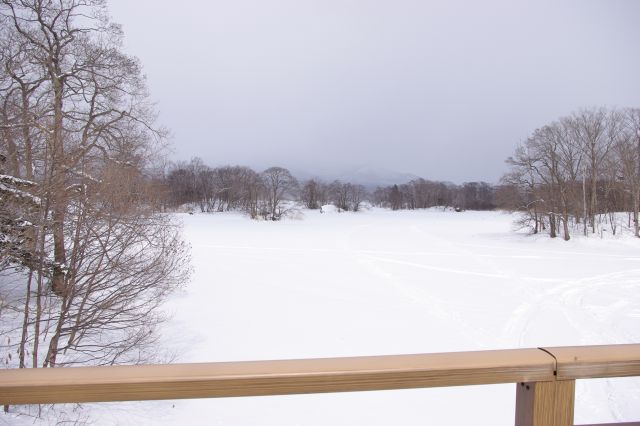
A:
383, 282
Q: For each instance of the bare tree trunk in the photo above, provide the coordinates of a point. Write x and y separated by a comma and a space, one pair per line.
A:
25, 323
12, 149
565, 214
565, 225
37, 321
57, 192
584, 204
54, 343
636, 190
636, 225
613, 222
552, 225
26, 135
52, 352
593, 202
40, 251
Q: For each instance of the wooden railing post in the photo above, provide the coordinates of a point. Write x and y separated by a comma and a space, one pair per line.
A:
545, 403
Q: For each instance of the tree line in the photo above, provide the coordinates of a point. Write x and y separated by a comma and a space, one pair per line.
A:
577, 174
267, 194
85, 258
422, 194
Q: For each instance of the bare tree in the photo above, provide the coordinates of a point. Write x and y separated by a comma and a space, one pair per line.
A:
596, 131
278, 183
627, 157
309, 194
357, 193
579, 169
524, 179
78, 143
339, 194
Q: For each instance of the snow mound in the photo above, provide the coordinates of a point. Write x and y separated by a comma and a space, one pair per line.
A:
329, 208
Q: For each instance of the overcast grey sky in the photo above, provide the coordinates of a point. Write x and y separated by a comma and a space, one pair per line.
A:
442, 89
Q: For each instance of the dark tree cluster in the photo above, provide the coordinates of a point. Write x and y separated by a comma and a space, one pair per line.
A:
422, 194
580, 173
269, 194
347, 196
228, 188
314, 194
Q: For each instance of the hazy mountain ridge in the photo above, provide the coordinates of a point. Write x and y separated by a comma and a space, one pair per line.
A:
370, 177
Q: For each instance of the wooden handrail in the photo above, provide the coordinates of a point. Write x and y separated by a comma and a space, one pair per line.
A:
545, 377
586, 362
253, 378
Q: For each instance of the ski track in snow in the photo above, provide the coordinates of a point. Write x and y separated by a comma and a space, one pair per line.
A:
590, 321
436, 268
566, 296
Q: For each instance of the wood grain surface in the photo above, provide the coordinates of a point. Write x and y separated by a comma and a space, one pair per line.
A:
230, 379
585, 362
280, 377
545, 403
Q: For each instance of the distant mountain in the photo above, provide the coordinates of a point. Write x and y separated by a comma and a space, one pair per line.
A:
373, 177
370, 177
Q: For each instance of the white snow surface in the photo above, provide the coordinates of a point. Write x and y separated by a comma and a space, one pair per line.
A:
382, 282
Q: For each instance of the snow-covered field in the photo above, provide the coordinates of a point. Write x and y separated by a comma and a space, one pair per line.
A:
382, 282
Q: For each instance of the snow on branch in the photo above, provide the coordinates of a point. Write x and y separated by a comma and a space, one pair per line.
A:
84, 175
12, 180
19, 195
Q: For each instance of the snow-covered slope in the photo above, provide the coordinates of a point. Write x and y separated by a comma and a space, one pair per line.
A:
381, 282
